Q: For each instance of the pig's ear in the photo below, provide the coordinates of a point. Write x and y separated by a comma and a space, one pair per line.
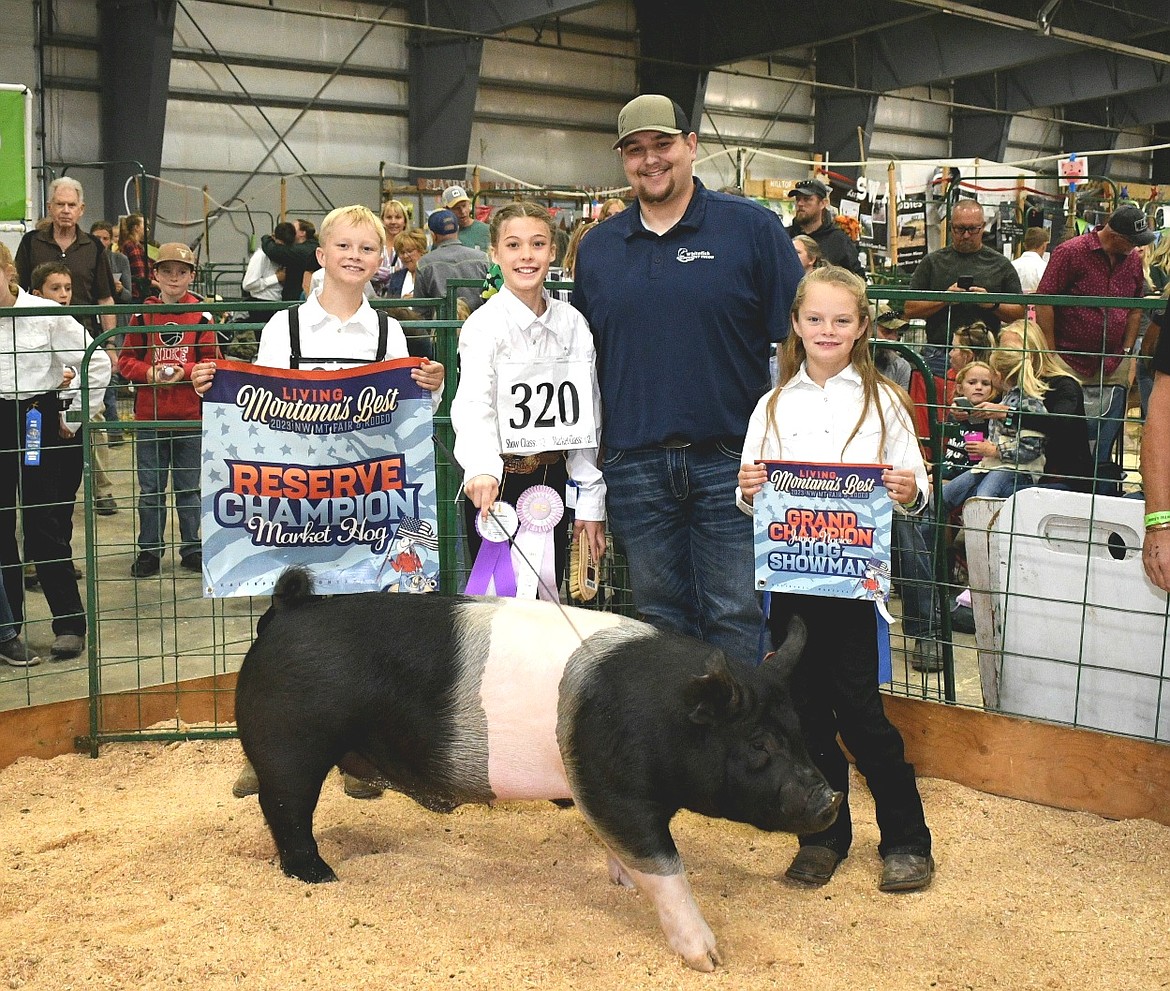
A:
715, 697
781, 663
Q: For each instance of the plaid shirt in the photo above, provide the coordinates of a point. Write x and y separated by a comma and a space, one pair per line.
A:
1090, 339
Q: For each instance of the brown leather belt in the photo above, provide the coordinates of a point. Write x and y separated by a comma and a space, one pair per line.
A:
526, 464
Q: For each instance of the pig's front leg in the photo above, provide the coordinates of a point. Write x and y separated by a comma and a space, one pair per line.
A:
678, 913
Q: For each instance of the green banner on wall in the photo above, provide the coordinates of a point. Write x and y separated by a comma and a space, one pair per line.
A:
13, 166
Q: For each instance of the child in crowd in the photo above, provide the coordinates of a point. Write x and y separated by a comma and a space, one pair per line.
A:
159, 354
809, 252
1012, 455
831, 405
53, 280
971, 343
1067, 461
131, 232
38, 356
334, 328
975, 384
517, 350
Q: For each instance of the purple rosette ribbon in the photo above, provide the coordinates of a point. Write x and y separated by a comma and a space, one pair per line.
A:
540, 509
493, 571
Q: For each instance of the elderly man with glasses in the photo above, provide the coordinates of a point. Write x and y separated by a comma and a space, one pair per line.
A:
963, 266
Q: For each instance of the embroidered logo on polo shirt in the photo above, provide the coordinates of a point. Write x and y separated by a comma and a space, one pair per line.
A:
686, 255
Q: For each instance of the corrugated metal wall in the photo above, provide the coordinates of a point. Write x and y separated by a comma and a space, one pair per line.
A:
543, 114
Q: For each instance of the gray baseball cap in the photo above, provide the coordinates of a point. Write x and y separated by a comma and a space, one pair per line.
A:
651, 112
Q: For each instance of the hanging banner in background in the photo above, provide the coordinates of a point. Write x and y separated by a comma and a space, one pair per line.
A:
910, 232
14, 166
874, 239
331, 470
823, 529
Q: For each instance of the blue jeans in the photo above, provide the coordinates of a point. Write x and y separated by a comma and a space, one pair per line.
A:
690, 550
937, 358
999, 483
110, 405
178, 453
913, 547
1104, 430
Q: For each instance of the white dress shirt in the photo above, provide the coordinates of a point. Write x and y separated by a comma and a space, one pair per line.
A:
327, 342
814, 423
1030, 267
505, 330
35, 351
324, 336
260, 281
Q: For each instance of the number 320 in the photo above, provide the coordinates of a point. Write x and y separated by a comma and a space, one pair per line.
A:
565, 396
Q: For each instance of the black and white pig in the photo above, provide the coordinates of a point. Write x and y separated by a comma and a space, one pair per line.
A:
455, 700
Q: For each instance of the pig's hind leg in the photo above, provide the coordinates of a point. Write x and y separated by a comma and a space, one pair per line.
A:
288, 798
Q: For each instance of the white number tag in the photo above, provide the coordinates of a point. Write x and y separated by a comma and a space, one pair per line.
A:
545, 405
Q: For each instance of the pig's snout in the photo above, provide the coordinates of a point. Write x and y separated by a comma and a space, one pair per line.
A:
823, 804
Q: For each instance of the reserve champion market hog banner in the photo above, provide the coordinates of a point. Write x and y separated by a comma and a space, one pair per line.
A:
332, 470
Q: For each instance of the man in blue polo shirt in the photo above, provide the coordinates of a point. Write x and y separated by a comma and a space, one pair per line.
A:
684, 295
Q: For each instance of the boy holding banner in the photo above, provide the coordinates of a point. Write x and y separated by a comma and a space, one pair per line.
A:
335, 328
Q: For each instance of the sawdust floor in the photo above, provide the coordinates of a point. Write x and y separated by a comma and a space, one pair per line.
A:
139, 870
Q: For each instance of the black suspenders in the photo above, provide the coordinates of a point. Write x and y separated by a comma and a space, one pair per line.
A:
294, 341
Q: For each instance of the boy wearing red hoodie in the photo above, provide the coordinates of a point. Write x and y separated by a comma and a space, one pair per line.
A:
158, 353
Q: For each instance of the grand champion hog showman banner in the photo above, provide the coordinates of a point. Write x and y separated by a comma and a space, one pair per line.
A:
823, 529
332, 470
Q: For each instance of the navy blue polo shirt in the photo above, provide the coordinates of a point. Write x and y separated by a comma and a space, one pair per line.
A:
682, 322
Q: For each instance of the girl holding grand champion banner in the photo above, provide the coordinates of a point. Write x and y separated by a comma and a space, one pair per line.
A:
527, 418
832, 405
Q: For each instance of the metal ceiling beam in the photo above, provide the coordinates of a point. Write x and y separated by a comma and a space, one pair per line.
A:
1080, 38
1088, 76
758, 28
444, 78
138, 33
942, 48
843, 122
444, 71
493, 16
669, 36
1139, 109
975, 134
1103, 135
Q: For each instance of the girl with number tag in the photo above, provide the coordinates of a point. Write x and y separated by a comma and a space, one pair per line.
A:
527, 413
832, 405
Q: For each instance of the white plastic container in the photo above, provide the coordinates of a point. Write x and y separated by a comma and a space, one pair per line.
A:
1083, 631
